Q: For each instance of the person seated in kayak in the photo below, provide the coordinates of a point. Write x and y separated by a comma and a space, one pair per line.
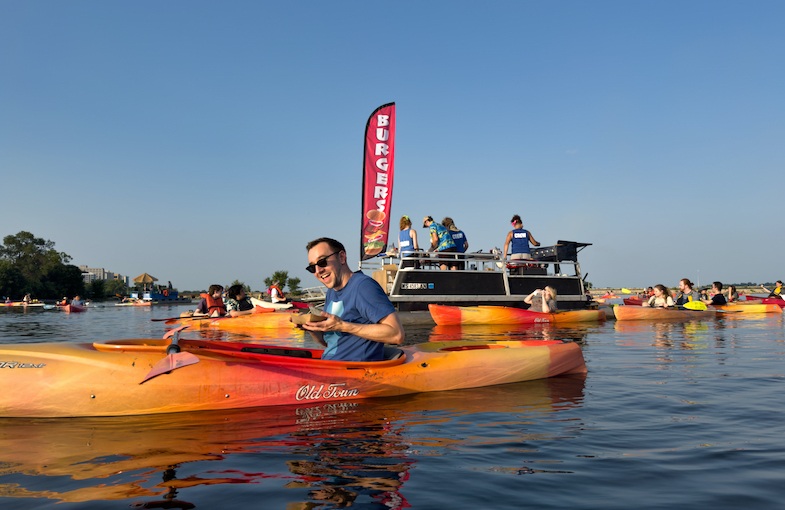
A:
212, 303
77, 301
360, 316
686, 293
518, 239
441, 241
238, 302
661, 297
733, 295
776, 292
276, 294
717, 297
542, 300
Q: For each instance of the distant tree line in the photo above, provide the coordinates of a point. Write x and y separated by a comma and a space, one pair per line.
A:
31, 265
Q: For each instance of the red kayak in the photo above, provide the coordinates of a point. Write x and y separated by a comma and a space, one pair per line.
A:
767, 300
73, 308
633, 301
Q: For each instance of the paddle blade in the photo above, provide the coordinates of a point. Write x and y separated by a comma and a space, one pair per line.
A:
695, 305
626, 291
171, 362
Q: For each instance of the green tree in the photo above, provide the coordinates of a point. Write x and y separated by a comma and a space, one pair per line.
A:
247, 288
282, 277
12, 283
116, 288
96, 289
37, 261
63, 280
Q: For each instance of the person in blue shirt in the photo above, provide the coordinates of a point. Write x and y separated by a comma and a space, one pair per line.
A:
407, 243
459, 238
519, 238
360, 316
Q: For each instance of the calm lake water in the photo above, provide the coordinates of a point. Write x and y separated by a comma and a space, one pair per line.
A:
677, 416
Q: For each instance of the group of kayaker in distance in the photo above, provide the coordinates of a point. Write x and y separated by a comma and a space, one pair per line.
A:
660, 297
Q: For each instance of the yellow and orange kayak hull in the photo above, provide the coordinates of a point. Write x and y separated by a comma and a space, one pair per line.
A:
446, 315
109, 379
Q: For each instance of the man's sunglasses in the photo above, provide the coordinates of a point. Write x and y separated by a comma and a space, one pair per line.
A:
322, 262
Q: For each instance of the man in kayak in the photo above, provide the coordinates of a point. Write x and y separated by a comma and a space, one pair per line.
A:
776, 292
686, 292
717, 297
360, 316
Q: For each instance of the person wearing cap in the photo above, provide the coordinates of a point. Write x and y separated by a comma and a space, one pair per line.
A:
518, 239
407, 243
441, 239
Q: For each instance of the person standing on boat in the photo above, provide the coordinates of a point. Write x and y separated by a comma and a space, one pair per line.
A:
519, 238
459, 238
686, 293
660, 298
212, 303
542, 300
407, 243
360, 316
776, 292
237, 302
441, 240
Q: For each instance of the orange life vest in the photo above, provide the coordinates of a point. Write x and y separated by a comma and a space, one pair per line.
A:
214, 304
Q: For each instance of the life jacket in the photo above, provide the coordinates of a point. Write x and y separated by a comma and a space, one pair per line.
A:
214, 304
777, 292
280, 292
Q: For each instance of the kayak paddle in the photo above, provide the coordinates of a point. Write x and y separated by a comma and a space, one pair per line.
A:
174, 357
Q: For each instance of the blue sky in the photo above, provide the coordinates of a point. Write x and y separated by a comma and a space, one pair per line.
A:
204, 142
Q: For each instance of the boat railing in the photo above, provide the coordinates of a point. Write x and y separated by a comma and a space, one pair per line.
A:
313, 294
479, 261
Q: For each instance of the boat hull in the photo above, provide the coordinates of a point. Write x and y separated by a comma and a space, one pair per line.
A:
639, 313
445, 315
62, 379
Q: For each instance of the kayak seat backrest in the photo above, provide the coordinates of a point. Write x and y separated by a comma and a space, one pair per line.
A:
295, 353
391, 353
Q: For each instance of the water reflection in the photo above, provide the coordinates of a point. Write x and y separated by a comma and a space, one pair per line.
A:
341, 452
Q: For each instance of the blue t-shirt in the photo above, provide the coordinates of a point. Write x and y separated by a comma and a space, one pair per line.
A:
459, 238
520, 241
405, 242
361, 301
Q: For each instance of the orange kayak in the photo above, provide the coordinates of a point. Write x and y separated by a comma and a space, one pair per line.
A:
446, 315
642, 313
751, 307
112, 379
268, 320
